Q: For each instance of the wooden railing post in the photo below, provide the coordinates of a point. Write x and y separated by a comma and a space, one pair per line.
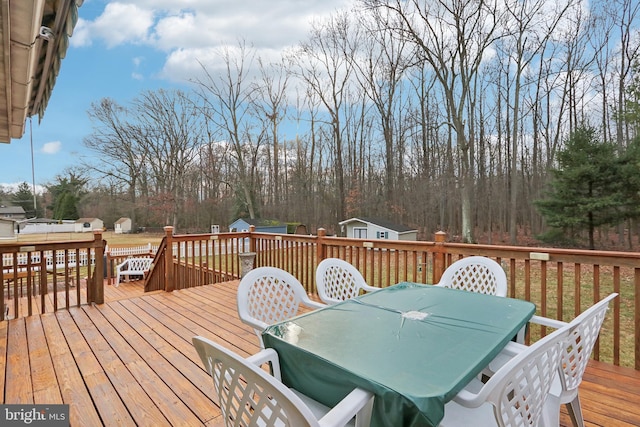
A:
252, 239
321, 249
169, 284
439, 256
97, 293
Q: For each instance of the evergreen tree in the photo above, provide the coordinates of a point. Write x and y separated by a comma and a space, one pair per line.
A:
67, 194
587, 190
630, 170
24, 197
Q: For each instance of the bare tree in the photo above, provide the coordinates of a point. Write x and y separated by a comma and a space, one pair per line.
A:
325, 68
228, 100
529, 26
173, 134
271, 104
453, 38
381, 67
117, 143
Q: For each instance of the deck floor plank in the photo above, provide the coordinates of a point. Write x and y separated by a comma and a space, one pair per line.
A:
70, 380
140, 365
132, 393
163, 361
18, 371
3, 355
131, 362
112, 410
43, 376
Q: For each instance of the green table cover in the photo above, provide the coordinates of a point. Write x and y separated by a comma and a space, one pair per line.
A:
414, 346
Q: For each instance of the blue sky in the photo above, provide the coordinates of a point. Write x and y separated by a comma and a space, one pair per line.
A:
120, 48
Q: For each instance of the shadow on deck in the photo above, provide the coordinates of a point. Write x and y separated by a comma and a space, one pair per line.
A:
130, 361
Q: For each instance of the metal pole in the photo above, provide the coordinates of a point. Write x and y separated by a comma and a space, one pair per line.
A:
33, 169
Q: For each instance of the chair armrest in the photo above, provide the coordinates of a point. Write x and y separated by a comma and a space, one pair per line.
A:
540, 320
370, 288
511, 350
468, 399
545, 321
358, 403
256, 324
313, 304
268, 355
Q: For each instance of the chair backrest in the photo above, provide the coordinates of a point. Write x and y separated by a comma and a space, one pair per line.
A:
337, 280
248, 395
519, 389
267, 295
581, 341
476, 274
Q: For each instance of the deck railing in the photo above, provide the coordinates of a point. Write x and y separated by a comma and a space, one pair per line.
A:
561, 282
51, 275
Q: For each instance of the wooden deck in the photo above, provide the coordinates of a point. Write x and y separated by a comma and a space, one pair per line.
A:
130, 361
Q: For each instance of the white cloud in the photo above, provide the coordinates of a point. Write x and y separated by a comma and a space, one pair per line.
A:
81, 36
122, 23
194, 29
51, 147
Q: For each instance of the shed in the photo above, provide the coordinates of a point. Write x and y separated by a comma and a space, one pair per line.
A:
7, 230
123, 225
370, 228
83, 225
262, 225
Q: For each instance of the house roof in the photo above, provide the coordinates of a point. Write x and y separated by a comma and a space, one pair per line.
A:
34, 37
122, 220
399, 228
11, 210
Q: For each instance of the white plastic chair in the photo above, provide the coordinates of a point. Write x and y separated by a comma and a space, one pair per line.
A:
575, 357
476, 274
249, 396
517, 394
267, 295
337, 280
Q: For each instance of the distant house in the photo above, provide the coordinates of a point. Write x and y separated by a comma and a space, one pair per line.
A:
262, 225
12, 212
7, 229
123, 225
369, 228
83, 225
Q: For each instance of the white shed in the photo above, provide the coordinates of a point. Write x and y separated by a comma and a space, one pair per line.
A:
369, 228
123, 225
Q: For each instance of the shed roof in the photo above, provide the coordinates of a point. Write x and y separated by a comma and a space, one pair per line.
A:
399, 228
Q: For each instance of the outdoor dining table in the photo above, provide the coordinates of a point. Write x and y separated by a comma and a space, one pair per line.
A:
414, 346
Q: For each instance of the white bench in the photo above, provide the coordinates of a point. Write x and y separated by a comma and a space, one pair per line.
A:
138, 267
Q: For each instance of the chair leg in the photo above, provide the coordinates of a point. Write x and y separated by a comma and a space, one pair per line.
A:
575, 412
